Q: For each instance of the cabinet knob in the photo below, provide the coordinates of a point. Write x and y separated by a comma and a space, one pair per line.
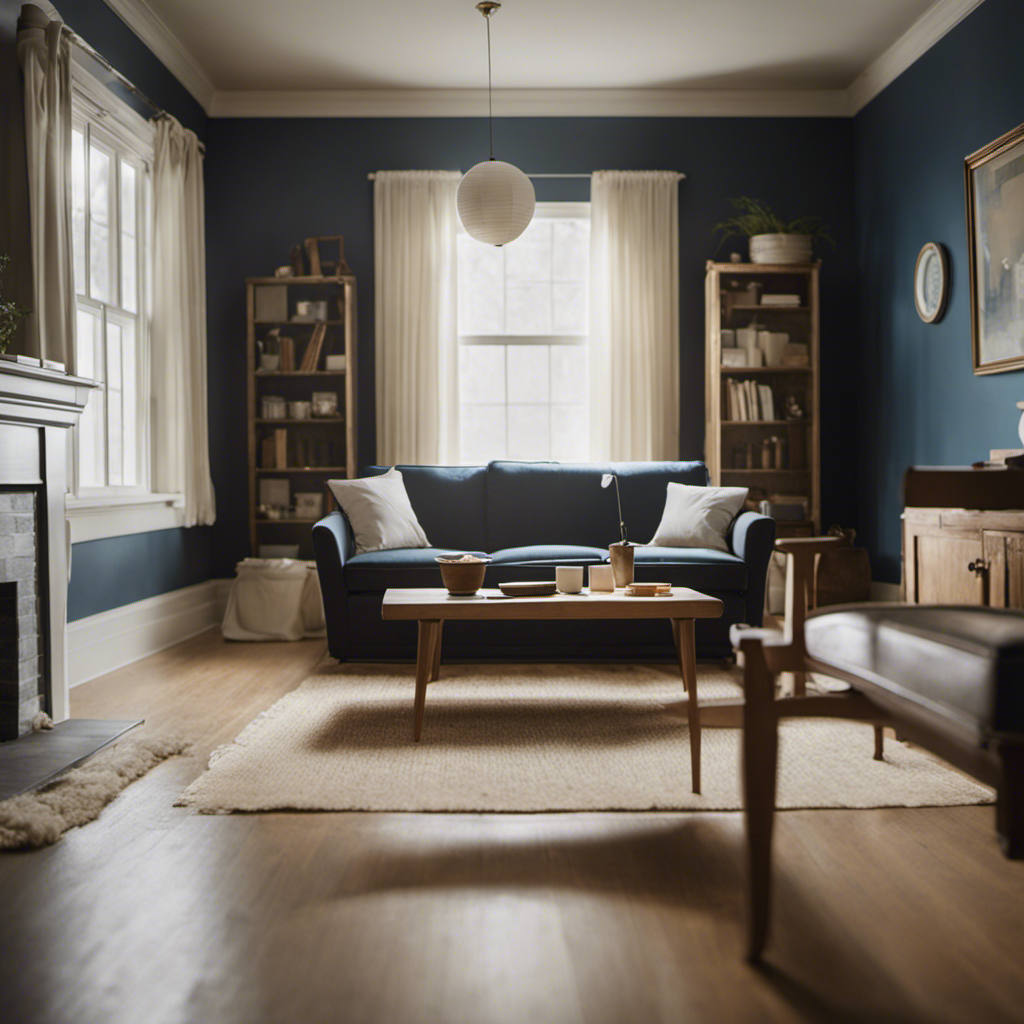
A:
978, 567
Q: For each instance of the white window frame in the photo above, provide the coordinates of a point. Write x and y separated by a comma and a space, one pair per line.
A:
114, 511
548, 211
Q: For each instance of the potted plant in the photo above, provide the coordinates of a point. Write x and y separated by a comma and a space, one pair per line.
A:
621, 552
772, 240
11, 313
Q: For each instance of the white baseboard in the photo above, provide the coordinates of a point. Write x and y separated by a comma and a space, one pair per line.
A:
101, 643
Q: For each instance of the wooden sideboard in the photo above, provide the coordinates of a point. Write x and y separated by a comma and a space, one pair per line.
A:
963, 536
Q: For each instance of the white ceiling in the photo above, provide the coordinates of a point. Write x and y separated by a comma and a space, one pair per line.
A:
270, 46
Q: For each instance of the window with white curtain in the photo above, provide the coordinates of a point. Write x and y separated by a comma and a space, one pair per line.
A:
523, 375
111, 160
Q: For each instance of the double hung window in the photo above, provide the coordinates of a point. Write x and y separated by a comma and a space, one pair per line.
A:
523, 341
111, 214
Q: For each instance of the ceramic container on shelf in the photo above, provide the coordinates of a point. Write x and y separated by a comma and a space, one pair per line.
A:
602, 578
780, 248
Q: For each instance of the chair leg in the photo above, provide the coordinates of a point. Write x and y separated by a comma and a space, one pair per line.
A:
760, 757
1010, 800
879, 743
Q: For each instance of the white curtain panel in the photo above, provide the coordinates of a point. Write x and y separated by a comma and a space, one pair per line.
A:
181, 456
416, 316
634, 315
44, 53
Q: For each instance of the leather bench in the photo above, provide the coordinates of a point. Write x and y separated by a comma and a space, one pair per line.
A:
949, 678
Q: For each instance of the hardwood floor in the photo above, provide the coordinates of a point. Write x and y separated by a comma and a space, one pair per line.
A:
155, 914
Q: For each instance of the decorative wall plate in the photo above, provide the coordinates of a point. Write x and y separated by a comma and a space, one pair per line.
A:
931, 282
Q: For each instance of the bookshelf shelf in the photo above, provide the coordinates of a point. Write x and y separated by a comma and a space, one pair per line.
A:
731, 438
765, 369
335, 471
300, 373
283, 452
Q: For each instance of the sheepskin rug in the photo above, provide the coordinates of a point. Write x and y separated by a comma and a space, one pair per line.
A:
37, 819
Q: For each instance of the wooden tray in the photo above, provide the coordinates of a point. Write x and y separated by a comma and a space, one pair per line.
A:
649, 590
527, 589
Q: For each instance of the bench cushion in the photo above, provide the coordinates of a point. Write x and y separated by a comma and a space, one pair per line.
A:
690, 567
550, 554
962, 663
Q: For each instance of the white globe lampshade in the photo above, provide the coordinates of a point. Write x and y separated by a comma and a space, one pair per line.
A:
496, 202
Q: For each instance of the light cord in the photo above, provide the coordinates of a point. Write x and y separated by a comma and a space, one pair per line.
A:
490, 110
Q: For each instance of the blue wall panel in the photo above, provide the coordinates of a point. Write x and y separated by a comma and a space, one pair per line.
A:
919, 402
271, 182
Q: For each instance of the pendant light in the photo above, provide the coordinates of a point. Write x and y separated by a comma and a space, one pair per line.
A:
495, 199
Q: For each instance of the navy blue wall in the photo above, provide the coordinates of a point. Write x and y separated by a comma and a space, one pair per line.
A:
108, 573
919, 402
271, 182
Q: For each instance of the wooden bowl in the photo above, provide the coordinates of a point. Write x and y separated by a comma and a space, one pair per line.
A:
462, 578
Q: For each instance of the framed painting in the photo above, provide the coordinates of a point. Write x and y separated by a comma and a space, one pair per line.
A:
994, 182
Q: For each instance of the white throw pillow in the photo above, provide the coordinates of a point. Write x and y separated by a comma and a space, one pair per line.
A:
378, 509
698, 517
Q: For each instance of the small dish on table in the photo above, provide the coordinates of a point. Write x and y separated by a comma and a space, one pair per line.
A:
527, 589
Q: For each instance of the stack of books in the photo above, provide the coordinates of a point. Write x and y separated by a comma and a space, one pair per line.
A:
748, 401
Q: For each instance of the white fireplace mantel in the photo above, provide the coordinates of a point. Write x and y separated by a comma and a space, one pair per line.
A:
37, 408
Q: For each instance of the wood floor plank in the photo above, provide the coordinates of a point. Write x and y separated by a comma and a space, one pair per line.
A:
154, 913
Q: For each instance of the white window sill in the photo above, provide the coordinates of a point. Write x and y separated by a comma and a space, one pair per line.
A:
96, 518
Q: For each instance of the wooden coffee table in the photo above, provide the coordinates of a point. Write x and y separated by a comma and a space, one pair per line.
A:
432, 607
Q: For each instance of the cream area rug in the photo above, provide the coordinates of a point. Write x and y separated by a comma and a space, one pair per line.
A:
539, 738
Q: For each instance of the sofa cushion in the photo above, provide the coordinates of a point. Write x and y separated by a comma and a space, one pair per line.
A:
964, 664
449, 501
699, 568
550, 554
378, 510
563, 503
698, 517
400, 567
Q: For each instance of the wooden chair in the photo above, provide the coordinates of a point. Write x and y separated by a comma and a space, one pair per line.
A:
948, 678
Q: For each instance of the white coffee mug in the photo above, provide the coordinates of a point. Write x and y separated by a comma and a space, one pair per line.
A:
569, 578
602, 578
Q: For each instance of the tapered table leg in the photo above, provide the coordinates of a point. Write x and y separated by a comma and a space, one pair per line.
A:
687, 648
428, 630
760, 757
435, 671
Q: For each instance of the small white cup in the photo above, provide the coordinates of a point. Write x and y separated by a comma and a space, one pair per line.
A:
602, 578
569, 578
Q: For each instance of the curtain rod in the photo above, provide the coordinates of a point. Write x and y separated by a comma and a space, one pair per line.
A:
372, 177
95, 54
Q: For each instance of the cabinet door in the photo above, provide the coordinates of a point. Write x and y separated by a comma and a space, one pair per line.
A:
1004, 560
942, 574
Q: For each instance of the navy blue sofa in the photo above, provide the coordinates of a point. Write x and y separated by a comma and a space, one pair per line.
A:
530, 517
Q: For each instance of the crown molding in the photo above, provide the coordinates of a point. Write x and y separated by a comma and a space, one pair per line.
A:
147, 25
530, 103
913, 44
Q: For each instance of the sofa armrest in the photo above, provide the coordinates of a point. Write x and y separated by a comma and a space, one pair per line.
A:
751, 539
332, 547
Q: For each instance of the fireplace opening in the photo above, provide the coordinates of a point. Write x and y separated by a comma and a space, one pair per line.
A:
23, 689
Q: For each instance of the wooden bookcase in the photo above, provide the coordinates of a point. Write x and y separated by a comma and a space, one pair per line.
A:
736, 449
315, 449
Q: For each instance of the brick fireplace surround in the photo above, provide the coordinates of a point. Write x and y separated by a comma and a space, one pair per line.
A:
37, 408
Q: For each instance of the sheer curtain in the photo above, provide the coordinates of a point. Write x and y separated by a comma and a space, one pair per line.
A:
634, 315
181, 456
44, 53
415, 268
